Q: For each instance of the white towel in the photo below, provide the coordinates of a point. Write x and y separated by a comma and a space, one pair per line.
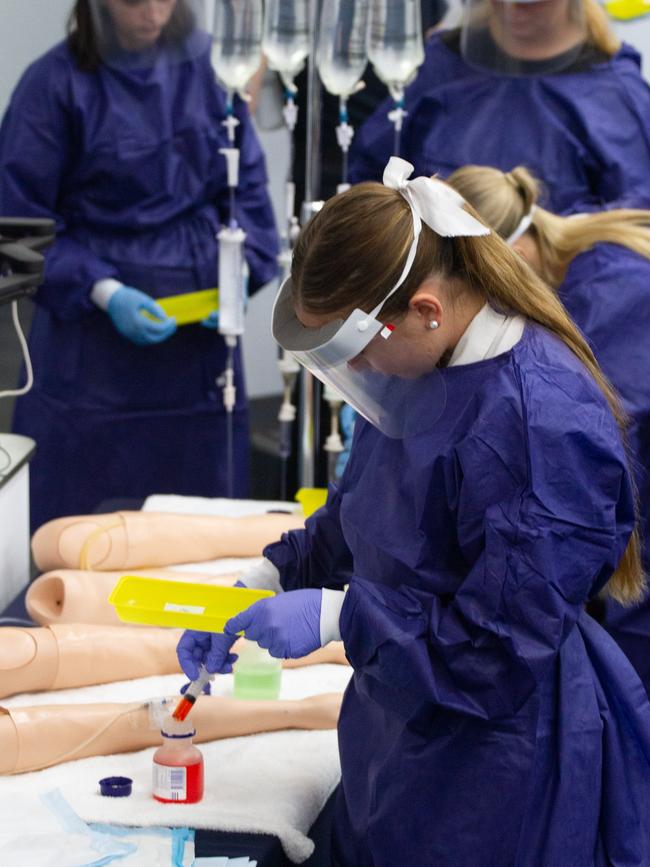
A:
216, 506
275, 783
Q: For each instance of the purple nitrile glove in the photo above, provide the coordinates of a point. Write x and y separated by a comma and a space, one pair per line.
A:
287, 625
210, 648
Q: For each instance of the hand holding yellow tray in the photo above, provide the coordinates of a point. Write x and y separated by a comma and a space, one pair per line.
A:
190, 307
158, 602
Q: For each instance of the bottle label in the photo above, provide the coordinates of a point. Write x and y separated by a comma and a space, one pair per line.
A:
169, 783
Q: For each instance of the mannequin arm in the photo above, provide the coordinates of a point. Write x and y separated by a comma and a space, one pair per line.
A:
32, 738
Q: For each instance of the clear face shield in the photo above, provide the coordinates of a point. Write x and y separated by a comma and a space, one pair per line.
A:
370, 362
523, 37
139, 34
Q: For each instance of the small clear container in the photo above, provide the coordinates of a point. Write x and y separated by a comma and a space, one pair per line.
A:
177, 765
258, 675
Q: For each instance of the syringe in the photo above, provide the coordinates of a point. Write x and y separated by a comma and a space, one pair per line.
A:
191, 694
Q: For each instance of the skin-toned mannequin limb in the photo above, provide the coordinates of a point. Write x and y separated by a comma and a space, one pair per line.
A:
132, 540
32, 738
75, 596
64, 656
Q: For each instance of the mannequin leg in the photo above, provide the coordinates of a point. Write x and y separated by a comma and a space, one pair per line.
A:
33, 738
129, 540
65, 656
74, 596
333, 653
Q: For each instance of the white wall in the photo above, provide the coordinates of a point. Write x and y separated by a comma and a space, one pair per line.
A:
27, 29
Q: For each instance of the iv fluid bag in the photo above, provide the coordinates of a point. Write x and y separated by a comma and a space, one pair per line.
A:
342, 44
286, 36
395, 46
236, 41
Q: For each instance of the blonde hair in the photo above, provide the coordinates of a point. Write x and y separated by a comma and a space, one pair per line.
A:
599, 30
504, 198
364, 234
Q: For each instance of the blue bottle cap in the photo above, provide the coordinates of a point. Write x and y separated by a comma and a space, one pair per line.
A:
116, 787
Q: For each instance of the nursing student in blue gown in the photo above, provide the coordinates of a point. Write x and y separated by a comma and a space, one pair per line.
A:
116, 133
489, 720
599, 264
544, 84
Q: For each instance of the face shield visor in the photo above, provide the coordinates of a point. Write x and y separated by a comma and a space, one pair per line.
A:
140, 34
367, 360
523, 37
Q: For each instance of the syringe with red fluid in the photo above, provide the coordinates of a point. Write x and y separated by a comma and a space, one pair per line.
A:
191, 694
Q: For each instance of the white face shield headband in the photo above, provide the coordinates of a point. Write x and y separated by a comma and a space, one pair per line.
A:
523, 226
331, 352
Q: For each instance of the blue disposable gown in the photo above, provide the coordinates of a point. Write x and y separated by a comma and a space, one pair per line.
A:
586, 134
607, 292
128, 164
490, 722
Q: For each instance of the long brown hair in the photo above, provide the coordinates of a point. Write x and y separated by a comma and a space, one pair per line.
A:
504, 198
83, 40
352, 252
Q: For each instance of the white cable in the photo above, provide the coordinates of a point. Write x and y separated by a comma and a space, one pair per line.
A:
28, 362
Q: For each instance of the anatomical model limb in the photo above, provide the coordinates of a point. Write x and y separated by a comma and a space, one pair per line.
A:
130, 540
32, 738
65, 656
333, 653
75, 596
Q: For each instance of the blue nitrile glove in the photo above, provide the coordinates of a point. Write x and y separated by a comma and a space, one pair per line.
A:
287, 625
211, 321
125, 311
210, 648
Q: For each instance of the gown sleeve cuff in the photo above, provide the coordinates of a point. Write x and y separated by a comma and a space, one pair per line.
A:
103, 291
330, 612
263, 576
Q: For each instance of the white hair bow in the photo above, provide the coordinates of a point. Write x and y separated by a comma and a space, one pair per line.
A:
432, 202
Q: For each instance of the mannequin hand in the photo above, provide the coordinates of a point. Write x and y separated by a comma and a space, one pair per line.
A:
210, 648
125, 312
211, 321
287, 625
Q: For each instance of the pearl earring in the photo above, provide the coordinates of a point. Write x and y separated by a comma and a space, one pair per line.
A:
433, 324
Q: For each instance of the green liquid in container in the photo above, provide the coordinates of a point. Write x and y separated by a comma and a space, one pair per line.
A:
257, 674
260, 683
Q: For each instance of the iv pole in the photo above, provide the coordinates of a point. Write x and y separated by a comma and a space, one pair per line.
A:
309, 408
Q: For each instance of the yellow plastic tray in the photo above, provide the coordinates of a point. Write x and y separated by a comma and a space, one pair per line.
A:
190, 307
158, 602
626, 10
311, 499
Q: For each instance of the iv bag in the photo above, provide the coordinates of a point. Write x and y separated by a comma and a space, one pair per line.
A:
286, 36
395, 46
236, 41
342, 41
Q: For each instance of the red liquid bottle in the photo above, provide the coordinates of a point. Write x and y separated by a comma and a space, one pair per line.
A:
177, 765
